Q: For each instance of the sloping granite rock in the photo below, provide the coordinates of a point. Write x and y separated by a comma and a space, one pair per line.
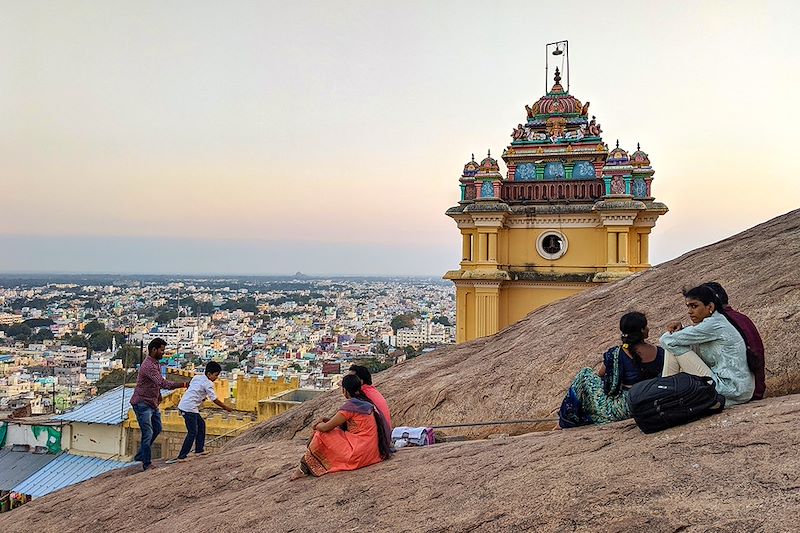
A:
738, 471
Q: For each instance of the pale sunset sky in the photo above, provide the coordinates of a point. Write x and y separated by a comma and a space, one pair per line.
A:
328, 137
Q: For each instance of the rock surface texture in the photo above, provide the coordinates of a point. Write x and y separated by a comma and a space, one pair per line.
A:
737, 471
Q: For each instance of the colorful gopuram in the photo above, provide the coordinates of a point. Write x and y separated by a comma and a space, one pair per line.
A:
569, 214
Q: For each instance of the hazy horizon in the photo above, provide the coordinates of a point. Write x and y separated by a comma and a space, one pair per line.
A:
264, 137
261, 273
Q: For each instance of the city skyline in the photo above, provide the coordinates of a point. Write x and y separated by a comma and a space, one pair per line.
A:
328, 139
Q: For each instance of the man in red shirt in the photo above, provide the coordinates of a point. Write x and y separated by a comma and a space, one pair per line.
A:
147, 396
372, 393
752, 339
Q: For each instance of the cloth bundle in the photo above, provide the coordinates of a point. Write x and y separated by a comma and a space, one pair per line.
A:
408, 436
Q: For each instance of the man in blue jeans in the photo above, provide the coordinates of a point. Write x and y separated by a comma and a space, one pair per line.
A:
200, 388
147, 397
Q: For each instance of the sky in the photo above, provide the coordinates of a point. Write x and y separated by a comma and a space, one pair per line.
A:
328, 137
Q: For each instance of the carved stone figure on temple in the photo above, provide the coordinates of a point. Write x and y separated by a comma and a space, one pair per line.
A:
594, 128
529, 110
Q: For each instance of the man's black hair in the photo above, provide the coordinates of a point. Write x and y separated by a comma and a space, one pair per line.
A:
155, 344
212, 367
363, 374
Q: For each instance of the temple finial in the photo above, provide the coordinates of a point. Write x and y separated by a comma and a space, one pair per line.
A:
557, 77
638, 148
617, 143
473, 158
489, 153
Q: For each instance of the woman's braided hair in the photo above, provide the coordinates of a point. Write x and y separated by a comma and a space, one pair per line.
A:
632, 327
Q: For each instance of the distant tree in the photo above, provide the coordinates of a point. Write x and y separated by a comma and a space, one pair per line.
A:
166, 316
198, 308
405, 320
102, 340
113, 379
381, 348
34, 323
412, 352
246, 304
76, 340
443, 320
374, 365
42, 334
129, 353
20, 332
229, 365
93, 327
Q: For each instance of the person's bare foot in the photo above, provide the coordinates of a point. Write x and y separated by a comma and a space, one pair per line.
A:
297, 473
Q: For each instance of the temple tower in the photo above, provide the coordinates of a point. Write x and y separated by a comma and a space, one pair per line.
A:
569, 214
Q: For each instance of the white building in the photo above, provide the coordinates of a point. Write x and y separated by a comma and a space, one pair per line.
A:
97, 364
426, 333
177, 338
73, 355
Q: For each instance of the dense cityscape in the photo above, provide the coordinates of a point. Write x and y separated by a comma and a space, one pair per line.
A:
66, 339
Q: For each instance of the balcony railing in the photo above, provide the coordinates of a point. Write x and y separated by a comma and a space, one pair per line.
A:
551, 191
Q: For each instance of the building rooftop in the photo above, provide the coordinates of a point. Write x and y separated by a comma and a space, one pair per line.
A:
110, 408
18, 466
65, 470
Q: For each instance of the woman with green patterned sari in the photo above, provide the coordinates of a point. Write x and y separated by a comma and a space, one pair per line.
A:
599, 397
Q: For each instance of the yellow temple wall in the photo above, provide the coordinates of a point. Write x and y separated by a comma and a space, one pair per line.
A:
267, 410
252, 389
465, 313
221, 387
516, 302
217, 423
589, 250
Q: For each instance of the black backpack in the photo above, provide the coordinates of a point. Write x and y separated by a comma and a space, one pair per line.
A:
662, 403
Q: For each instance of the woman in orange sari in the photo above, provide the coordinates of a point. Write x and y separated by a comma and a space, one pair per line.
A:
355, 437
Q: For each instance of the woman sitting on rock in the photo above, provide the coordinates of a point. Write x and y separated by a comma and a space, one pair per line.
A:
712, 346
355, 437
602, 396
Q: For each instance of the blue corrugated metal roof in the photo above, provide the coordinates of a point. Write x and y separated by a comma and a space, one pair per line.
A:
17, 466
109, 408
63, 471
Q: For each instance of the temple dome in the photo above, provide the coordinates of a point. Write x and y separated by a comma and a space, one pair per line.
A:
639, 158
618, 156
556, 102
489, 164
471, 168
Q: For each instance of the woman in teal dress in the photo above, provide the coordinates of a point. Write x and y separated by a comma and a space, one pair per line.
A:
599, 397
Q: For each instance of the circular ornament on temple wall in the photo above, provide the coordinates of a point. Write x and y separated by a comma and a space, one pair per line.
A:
551, 245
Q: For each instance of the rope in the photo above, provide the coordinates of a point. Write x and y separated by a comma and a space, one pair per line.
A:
497, 423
